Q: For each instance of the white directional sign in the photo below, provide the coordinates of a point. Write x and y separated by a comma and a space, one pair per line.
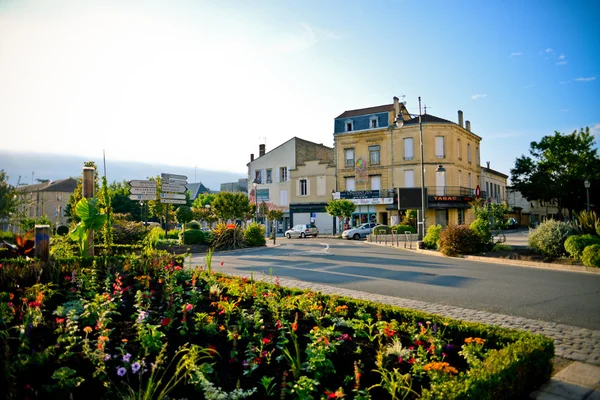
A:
173, 188
143, 190
172, 196
173, 182
173, 176
138, 183
140, 197
173, 201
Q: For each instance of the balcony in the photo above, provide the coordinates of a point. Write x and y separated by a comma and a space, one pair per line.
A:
453, 191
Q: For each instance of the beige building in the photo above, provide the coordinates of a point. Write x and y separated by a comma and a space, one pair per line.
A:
531, 212
375, 159
494, 184
47, 199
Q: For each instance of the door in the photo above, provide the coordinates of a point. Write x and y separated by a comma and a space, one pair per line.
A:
441, 217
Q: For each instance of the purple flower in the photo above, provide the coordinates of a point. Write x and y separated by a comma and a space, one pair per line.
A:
245, 364
127, 357
449, 347
420, 324
121, 371
434, 328
135, 367
107, 357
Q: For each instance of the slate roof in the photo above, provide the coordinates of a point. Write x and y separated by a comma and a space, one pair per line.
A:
426, 118
61, 185
366, 111
197, 189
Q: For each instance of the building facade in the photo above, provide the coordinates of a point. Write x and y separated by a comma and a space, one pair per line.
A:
494, 184
375, 159
270, 178
47, 199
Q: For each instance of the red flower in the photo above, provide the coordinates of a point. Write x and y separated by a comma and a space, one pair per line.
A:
278, 324
266, 340
411, 361
165, 321
59, 320
222, 263
212, 349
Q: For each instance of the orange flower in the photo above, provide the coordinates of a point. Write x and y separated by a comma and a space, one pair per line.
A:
87, 329
11, 296
124, 340
103, 338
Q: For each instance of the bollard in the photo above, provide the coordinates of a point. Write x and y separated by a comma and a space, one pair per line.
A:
42, 242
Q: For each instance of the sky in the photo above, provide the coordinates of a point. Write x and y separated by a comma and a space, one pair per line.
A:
203, 83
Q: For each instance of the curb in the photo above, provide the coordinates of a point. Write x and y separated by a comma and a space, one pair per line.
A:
504, 261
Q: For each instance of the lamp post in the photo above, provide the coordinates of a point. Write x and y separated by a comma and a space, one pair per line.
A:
398, 123
207, 207
423, 219
587, 189
255, 184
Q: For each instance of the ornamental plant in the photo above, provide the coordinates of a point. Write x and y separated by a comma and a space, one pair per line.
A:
458, 239
549, 238
591, 256
432, 238
574, 245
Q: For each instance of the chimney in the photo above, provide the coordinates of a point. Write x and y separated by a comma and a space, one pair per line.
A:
396, 106
460, 119
261, 150
251, 157
488, 164
468, 125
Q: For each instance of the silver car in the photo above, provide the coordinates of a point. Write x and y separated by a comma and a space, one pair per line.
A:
360, 231
302, 230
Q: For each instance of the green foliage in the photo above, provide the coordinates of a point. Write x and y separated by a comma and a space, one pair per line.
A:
400, 229
91, 220
128, 232
432, 238
228, 238
107, 229
549, 238
8, 196
194, 225
192, 236
61, 247
501, 247
341, 209
154, 235
7, 236
28, 224
203, 200
184, 214
382, 230
588, 221
161, 243
591, 256
574, 245
230, 206
483, 230
410, 218
488, 217
254, 235
457, 239
172, 234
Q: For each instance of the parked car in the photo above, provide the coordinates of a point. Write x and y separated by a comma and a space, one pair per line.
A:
359, 232
302, 230
512, 224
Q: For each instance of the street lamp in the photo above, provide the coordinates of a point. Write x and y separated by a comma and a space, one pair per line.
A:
423, 219
398, 123
207, 207
255, 184
587, 189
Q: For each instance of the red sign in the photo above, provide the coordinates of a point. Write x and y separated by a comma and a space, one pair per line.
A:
477, 192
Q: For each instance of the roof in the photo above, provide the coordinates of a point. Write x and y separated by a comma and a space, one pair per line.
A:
427, 118
366, 111
196, 189
287, 141
492, 171
62, 185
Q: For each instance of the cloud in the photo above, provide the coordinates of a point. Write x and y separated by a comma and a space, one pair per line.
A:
561, 63
591, 78
549, 50
595, 130
516, 54
478, 96
562, 57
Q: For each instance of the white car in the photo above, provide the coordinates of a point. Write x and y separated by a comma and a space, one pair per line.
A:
359, 232
302, 231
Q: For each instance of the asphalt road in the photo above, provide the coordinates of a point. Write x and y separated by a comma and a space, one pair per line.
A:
570, 298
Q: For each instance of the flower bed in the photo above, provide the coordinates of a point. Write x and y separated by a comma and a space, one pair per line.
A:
146, 327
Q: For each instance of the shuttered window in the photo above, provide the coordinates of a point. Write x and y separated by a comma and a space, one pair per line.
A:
350, 185
408, 148
409, 178
376, 182
439, 147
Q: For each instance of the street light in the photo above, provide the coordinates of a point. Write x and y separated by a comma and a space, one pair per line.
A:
207, 207
255, 184
423, 219
587, 189
398, 123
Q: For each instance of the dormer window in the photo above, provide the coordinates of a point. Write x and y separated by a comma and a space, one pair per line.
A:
373, 122
349, 125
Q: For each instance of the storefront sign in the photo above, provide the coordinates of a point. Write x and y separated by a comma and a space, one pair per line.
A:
380, 200
458, 199
262, 195
360, 194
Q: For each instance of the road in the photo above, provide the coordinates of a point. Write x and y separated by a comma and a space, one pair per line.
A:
570, 298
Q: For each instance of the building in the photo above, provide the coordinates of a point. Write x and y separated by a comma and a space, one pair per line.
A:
531, 213
494, 184
270, 175
375, 159
240, 186
47, 199
197, 189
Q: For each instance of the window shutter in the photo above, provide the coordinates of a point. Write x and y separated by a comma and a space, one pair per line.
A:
439, 146
283, 201
307, 187
376, 182
289, 178
277, 175
252, 176
263, 176
440, 183
408, 148
409, 178
297, 187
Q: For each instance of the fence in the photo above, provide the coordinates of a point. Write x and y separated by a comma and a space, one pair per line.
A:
406, 239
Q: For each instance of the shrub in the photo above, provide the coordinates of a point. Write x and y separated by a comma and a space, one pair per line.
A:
483, 230
501, 247
167, 242
172, 234
549, 238
574, 245
588, 221
254, 235
154, 236
8, 236
62, 230
403, 228
432, 238
458, 239
591, 256
381, 230
193, 225
62, 247
598, 227
192, 236
128, 232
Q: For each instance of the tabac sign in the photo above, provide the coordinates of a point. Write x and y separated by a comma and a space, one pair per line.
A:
454, 199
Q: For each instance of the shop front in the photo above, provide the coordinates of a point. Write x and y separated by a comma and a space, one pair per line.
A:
370, 206
449, 210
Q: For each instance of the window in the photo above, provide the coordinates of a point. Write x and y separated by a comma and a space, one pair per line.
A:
257, 176
458, 151
58, 211
409, 178
477, 155
439, 147
303, 187
469, 152
408, 148
470, 182
459, 180
374, 155
461, 216
376, 182
58, 196
350, 184
373, 122
269, 175
349, 125
321, 185
440, 183
349, 157
487, 189
283, 173
283, 198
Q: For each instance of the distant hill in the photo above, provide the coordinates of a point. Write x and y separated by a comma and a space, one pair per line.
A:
53, 167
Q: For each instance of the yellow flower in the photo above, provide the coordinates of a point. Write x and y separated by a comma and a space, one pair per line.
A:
87, 329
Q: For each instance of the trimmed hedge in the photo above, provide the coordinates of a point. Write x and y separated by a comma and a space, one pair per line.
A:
591, 256
574, 245
432, 238
549, 238
8, 236
403, 228
254, 235
381, 230
458, 239
193, 225
192, 236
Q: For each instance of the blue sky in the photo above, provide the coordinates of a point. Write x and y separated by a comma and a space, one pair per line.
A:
203, 83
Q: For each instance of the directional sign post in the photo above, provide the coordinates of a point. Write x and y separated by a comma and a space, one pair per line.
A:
172, 196
138, 183
174, 184
143, 190
173, 176
173, 201
142, 197
173, 188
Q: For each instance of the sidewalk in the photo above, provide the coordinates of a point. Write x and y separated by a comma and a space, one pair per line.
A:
576, 381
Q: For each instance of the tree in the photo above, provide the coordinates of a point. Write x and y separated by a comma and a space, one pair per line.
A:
274, 215
556, 169
340, 209
230, 206
184, 215
8, 197
203, 200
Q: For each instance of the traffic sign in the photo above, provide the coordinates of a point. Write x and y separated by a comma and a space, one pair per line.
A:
173, 176
173, 188
143, 190
173, 182
172, 196
138, 183
173, 201
140, 197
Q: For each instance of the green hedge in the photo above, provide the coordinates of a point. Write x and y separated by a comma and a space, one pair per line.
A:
403, 228
591, 256
8, 236
193, 225
192, 236
432, 238
382, 230
575, 244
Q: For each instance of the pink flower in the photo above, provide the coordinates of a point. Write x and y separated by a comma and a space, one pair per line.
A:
189, 307
222, 263
266, 340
